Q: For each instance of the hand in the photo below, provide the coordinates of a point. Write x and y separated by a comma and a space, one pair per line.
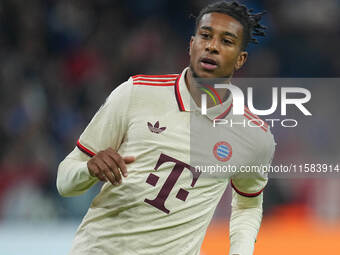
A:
107, 165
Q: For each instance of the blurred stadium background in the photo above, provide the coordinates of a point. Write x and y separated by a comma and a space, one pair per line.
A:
59, 59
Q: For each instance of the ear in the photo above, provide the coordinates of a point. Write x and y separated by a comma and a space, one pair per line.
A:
241, 59
191, 42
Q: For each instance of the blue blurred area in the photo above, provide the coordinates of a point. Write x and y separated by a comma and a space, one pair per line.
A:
60, 59
36, 238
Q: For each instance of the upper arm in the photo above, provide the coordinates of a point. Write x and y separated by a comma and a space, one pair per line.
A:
109, 125
248, 186
106, 129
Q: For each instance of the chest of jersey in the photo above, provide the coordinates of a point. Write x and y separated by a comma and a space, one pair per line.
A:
188, 137
176, 154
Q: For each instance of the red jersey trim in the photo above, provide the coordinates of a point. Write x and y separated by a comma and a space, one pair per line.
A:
225, 113
155, 76
178, 95
154, 80
154, 84
256, 122
255, 119
255, 116
243, 193
85, 150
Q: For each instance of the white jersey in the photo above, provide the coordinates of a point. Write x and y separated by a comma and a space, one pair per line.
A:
164, 206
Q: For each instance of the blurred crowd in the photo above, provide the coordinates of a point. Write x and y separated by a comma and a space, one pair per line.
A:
59, 59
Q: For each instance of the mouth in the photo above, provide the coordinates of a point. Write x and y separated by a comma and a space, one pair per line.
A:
208, 64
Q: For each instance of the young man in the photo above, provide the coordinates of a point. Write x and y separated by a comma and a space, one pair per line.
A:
142, 133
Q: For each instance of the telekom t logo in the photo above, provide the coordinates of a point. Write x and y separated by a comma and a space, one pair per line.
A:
159, 201
238, 100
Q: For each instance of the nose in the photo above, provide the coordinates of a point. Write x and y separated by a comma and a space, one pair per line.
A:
212, 46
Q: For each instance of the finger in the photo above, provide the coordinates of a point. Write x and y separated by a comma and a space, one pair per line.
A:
119, 161
95, 171
104, 170
129, 159
117, 175
92, 169
103, 178
113, 168
109, 175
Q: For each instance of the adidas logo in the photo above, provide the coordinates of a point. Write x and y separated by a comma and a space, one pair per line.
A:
155, 128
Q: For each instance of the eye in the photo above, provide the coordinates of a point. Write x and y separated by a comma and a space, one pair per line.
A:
226, 41
205, 35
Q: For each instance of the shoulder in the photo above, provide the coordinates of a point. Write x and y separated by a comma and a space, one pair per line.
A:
259, 134
145, 91
153, 88
165, 80
142, 82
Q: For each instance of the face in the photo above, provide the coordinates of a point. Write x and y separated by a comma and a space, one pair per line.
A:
216, 48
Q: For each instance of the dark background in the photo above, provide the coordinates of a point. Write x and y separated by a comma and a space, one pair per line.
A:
60, 59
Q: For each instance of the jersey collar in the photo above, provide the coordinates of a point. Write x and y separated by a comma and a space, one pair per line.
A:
187, 104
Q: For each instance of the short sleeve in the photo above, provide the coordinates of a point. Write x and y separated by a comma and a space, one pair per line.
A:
251, 180
108, 126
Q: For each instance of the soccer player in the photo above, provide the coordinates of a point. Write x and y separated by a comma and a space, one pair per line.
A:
138, 143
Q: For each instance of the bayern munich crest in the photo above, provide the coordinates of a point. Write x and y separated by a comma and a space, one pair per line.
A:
222, 151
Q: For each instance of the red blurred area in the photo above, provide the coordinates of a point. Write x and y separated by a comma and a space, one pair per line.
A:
289, 230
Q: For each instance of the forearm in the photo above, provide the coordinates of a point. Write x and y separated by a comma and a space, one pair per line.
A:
245, 223
73, 176
244, 226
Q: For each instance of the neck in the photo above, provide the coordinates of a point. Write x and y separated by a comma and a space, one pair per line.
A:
194, 89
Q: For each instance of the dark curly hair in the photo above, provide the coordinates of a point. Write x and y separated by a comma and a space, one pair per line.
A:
240, 12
